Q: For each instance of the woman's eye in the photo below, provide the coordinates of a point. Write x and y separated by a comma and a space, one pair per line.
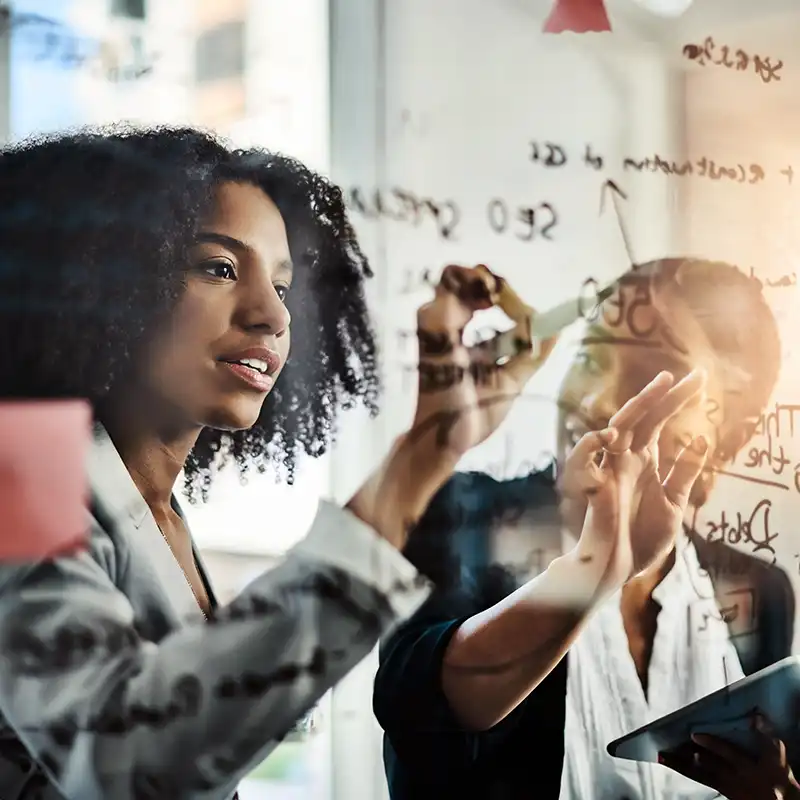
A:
587, 363
220, 269
283, 292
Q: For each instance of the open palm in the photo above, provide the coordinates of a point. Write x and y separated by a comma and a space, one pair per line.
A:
633, 513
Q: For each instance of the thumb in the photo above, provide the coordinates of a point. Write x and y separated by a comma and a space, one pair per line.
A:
685, 471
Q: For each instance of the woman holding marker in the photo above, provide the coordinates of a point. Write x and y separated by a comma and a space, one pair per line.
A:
161, 275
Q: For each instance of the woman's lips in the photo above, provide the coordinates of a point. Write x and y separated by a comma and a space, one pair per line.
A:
259, 381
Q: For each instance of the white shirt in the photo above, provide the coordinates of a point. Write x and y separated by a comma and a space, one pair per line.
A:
692, 657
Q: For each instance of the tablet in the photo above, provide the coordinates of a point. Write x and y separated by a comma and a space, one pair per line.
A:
44, 449
774, 691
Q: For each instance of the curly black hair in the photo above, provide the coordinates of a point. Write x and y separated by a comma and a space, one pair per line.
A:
95, 227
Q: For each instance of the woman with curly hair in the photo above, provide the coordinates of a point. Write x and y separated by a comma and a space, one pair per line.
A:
156, 273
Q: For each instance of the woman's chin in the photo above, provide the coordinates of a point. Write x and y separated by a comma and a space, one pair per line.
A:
239, 416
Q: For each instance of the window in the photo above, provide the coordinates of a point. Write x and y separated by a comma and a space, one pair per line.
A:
132, 9
219, 52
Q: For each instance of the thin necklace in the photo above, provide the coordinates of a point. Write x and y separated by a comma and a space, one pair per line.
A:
194, 594
185, 575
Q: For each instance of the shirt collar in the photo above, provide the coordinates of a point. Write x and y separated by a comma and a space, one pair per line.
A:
686, 577
111, 483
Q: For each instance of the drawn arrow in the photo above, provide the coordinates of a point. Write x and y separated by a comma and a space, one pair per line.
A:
610, 187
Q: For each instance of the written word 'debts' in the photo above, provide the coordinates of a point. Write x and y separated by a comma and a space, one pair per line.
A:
553, 155
527, 223
749, 528
739, 60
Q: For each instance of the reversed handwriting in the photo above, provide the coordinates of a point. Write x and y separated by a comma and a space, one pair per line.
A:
415, 280
527, 223
753, 530
403, 205
522, 221
738, 60
548, 154
741, 173
702, 168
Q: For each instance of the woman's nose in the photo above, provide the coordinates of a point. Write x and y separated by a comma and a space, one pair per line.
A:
264, 309
598, 406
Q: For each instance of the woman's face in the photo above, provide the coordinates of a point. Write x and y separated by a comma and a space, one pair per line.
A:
618, 356
226, 341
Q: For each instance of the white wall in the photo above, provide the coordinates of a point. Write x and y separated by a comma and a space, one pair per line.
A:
442, 99
734, 117
287, 80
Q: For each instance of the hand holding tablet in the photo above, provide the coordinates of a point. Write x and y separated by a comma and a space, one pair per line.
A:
730, 718
735, 772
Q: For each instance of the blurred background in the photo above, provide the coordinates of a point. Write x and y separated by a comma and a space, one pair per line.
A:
503, 136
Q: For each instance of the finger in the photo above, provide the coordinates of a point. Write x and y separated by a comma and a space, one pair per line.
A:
460, 292
521, 367
685, 471
685, 391
510, 302
688, 764
517, 343
770, 746
443, 359
581, 473
637, 407
475, 287
732, 755
515, 350
440, 325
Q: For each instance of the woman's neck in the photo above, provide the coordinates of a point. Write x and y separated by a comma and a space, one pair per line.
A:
154, 455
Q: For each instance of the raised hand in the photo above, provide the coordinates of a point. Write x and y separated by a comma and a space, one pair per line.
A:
466, 392
633, 513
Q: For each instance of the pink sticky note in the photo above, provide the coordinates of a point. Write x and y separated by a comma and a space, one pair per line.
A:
579, 16
44, 448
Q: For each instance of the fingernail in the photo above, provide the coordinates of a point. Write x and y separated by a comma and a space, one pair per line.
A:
700, 444
609, 434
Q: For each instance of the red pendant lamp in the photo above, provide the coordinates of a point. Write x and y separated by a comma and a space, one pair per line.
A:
578, 16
